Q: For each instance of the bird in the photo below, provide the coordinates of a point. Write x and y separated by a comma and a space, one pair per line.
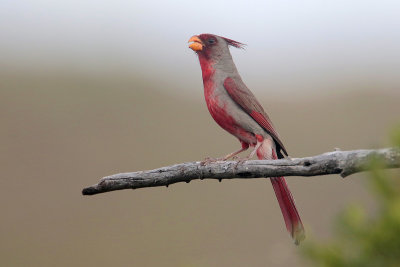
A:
235, 108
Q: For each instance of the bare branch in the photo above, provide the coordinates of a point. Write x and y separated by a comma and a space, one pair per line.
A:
338, 162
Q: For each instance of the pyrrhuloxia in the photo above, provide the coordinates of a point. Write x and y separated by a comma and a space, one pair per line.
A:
234, 107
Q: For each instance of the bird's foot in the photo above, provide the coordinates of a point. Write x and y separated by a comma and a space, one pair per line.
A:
250, 156
241, 160
209, 160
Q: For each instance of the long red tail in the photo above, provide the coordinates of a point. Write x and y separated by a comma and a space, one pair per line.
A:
288, 207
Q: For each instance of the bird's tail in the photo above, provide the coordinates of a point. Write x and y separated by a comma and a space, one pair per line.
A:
288, 206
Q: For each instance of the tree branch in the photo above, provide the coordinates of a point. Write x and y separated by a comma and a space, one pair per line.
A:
344, 163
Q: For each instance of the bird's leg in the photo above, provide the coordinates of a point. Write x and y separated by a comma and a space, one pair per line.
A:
260, 140
245, 146
252, 153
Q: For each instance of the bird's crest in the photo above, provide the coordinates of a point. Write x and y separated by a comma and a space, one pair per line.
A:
234, 43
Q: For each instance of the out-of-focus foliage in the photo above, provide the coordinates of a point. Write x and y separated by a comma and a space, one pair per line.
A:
362, 240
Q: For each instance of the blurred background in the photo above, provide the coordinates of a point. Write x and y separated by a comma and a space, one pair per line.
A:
93, 88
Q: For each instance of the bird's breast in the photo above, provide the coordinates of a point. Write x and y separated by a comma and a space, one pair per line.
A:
222, 109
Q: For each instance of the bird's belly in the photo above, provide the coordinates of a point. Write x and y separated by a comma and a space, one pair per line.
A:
233, 119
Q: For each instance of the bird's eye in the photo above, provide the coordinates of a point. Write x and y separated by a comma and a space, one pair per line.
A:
211, 41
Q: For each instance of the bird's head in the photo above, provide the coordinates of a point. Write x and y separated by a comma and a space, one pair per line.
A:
212, 46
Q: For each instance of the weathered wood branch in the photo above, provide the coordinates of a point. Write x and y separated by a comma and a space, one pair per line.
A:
338, 162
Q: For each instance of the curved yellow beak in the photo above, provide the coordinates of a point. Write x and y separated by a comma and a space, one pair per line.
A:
196, 43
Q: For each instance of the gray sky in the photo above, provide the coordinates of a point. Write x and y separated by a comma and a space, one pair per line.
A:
291, 44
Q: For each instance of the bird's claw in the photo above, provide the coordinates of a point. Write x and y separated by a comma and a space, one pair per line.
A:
241, 161
209, 160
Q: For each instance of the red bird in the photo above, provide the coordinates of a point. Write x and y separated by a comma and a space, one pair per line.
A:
234, 107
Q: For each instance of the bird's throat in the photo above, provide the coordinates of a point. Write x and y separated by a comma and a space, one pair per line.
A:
207, 68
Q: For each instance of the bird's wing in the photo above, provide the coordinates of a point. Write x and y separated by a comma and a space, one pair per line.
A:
248, 102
